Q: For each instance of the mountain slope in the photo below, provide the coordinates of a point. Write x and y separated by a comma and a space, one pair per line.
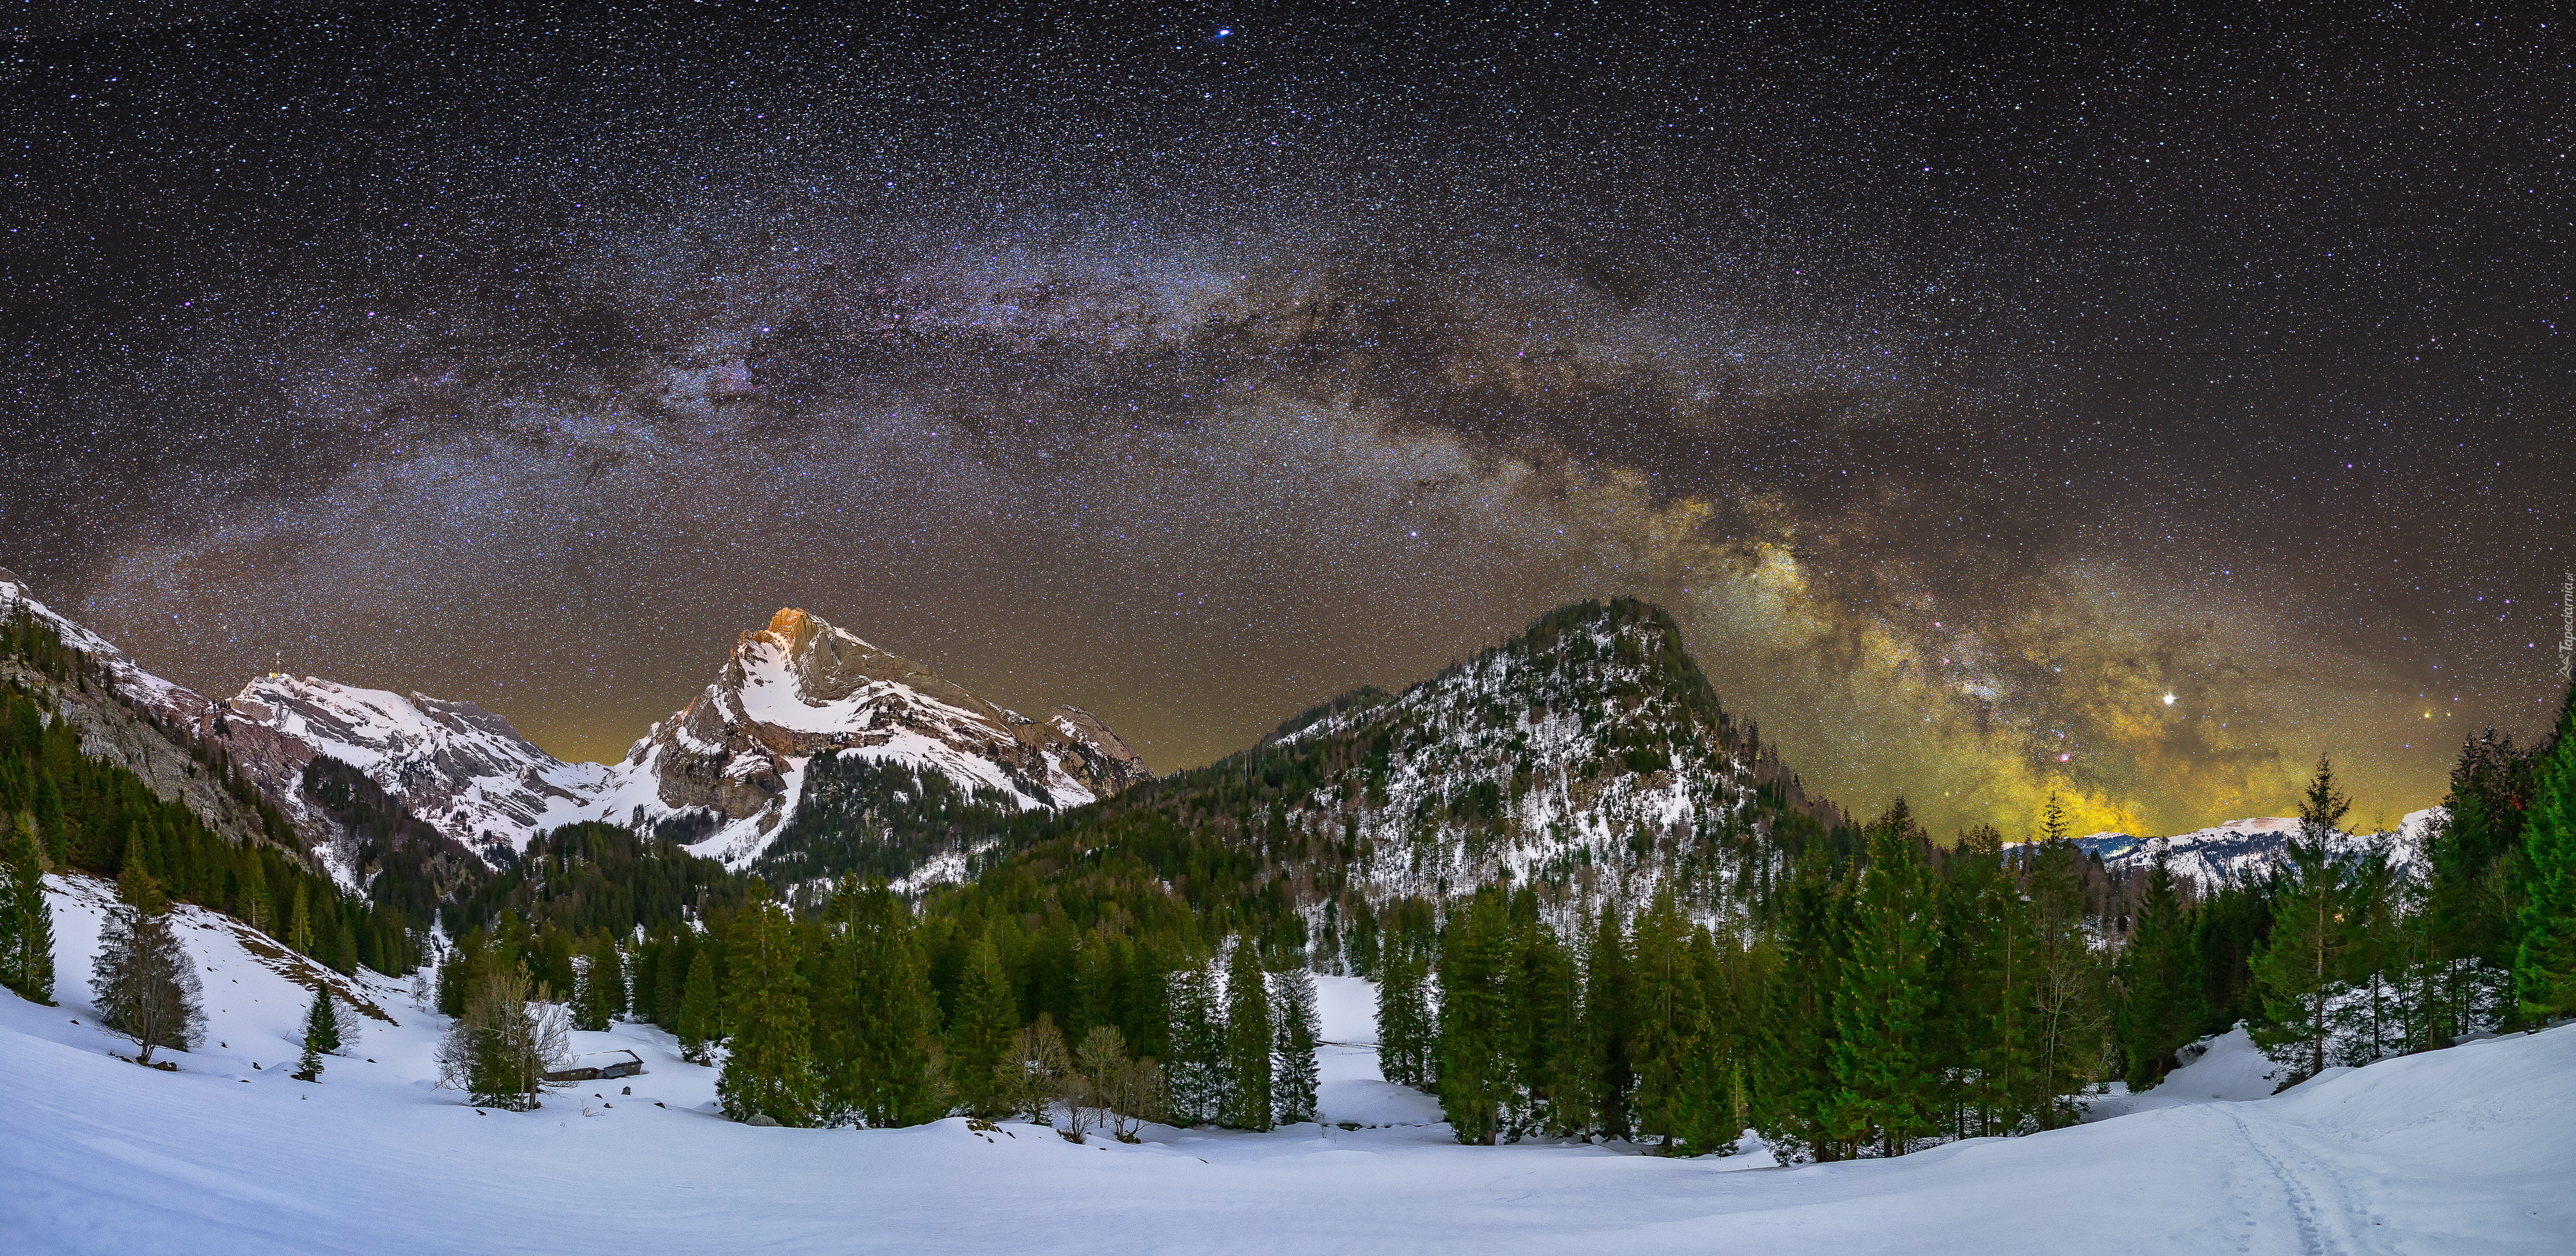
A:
2241, 849
728, 768
1586, 762
459, 768
165, 733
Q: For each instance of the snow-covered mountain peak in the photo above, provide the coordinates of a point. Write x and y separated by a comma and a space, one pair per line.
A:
797, 687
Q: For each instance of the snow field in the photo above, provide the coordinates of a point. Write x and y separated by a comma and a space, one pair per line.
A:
2465, 1150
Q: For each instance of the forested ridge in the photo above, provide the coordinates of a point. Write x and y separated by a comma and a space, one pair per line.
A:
1702, 952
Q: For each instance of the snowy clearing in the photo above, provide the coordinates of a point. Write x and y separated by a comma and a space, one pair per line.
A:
2466, 1150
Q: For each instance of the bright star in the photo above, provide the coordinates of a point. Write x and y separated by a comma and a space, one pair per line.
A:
2169, 699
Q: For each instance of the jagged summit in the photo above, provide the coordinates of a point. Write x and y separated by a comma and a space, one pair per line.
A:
2241, 849
730, 764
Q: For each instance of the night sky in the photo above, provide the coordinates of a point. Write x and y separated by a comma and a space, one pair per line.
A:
1965, 386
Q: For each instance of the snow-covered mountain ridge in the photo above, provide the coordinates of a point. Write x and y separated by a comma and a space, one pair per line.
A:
724, 772
1588, 756
2241, 849
459, 768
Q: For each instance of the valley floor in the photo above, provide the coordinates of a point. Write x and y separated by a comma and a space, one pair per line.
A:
2467, 1150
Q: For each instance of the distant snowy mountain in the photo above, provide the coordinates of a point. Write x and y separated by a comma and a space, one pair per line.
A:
2239, 849
459, 768
729, 766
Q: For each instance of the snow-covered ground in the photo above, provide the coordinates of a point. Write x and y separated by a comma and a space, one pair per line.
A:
2466, 1150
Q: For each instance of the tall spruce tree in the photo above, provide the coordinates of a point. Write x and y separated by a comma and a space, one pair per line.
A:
1293, 1085
701, 1018
1475, 1074
1883, 1007
877, 1021
1406, 1034
1248, 1040
321, 1035
2068, 1012
1544, 1032
26, 922
981, 1036
1797, 1084
1666, 1023
600, 995
2159, 982
1609, 1017
2296, 968
1196, 1075
2474, 891
299, 922
769, 1063
2544, 960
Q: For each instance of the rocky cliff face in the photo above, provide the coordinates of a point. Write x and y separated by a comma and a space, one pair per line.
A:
461, 769
144, 723
730, 764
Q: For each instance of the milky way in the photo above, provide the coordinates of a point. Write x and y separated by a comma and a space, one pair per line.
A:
2130, 411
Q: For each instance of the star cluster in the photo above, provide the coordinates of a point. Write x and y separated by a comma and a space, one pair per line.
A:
2135, 409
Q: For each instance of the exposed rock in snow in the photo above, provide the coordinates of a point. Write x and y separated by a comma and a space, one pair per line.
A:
801, 687
459, 768
1588, 756
2245, 848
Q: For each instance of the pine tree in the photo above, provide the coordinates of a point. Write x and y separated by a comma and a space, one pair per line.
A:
769, 1062
299, 923
1474, 1001
2067, 1013
2296, 967
26, 922
876, 1020
321, 1035
701, 1023
2160, 982
143, 984
1545, 1033
1667, 1022
1609, 1018
1197, 1072
600, 995
1883, 1006
1294, 1083
1248, 1040
2544, 962
980, 1038
1795, 1078
1405, 1035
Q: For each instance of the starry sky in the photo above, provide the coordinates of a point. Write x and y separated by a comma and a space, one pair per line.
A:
2127, 403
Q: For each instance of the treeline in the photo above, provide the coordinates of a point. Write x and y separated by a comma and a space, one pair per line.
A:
1878, 999
845, 1015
